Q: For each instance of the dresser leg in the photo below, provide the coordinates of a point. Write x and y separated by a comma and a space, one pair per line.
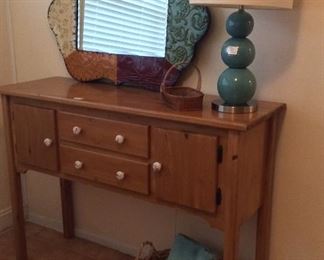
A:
265, 212
18, 216
232, 223
17, 204
263, 234
67, 208
231, 242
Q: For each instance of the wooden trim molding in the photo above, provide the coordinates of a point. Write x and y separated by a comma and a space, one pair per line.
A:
5, 218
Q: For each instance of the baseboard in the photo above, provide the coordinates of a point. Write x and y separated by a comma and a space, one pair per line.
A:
5, 219
83, 233
107, 242
45, 221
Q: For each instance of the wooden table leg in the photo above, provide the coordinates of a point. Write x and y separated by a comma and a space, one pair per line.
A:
232, 225
67, 208
15, 188
231, 242
265, 212
18, 216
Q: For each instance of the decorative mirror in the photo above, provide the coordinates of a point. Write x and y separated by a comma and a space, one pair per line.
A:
131, 42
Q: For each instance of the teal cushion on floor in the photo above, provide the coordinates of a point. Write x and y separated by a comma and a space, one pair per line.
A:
185, 248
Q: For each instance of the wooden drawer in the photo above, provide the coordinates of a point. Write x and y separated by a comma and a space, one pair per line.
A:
116, 136
125, 174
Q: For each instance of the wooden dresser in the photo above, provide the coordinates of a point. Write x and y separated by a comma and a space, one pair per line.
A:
219, 166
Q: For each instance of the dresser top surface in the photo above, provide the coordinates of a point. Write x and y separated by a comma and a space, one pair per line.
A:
134, 101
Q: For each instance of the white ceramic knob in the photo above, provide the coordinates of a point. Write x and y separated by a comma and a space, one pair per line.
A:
76, 130
157, 167
78, 165
120, 175
48, 142
119, 139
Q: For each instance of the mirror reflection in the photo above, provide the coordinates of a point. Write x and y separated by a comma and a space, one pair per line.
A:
127, 27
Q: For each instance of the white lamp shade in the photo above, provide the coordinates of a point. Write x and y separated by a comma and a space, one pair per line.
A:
259, 4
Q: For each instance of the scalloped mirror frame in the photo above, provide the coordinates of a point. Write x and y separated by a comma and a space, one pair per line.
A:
187, 24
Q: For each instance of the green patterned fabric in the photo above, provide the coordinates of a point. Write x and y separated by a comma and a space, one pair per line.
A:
185, 248
186, 26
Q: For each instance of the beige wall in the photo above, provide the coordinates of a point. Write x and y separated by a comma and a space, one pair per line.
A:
6, 76
289, 67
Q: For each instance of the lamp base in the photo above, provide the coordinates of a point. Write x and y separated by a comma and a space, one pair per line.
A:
218, 105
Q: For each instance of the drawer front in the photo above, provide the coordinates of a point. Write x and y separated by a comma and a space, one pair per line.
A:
116, 136
106, 169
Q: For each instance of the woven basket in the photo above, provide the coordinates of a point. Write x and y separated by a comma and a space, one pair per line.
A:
182, 98
149, 252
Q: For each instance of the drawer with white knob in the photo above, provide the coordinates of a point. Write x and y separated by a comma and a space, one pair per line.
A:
105, 169
118, 136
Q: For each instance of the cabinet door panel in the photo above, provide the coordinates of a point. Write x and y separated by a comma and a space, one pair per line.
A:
189, 168
31, 126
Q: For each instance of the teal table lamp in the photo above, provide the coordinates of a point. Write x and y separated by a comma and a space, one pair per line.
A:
237, 84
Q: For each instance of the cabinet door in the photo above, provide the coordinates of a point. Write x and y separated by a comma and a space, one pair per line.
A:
34, 136
188, 175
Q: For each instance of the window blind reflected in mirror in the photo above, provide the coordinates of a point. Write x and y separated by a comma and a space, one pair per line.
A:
128, 27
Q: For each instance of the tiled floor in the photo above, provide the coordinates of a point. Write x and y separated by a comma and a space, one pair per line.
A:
46, 244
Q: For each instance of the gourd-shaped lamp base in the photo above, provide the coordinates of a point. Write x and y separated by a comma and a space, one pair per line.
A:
237, 84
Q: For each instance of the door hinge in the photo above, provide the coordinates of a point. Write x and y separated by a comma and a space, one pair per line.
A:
220, 154
218, 197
